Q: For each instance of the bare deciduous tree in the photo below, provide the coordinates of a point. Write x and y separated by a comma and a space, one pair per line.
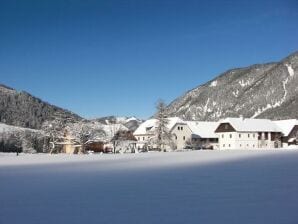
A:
54, 131
84, 137
114, 129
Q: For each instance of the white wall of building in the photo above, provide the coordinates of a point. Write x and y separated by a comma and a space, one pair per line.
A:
238, 140
244, 140
181, 133
142, 140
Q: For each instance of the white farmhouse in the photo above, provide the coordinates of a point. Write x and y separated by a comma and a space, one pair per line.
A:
181, 134
240, 133
203, 134
147, 130
196, 134
184, 133
289, 129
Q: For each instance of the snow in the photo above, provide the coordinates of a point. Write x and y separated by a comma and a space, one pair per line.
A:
252, 125
111, 129
145, 126
284, 83
236, 92
151, 124
205, 109
95, 126
218, 113
213, 83
204, 129
10, 128
173, 121
261, 110
286, 125
187, 187
276, 104
243, 83
290, 70
131, 119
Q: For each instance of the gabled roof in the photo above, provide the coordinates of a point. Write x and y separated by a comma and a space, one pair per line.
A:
252, 125
145, 126
173, 121
286, 126
203, 129
149, 126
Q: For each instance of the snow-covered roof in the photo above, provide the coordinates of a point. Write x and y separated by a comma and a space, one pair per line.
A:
286, 126
252, 125
173, 121
203, 129
10, 128
150, 125
145, 126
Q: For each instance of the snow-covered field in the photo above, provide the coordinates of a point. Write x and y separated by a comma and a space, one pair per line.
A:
183, 187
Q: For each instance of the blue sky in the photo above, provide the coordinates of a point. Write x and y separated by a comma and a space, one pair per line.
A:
111, 57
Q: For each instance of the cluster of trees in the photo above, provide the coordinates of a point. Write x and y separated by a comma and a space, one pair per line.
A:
22, 141
79, 133
10, 144
24, 110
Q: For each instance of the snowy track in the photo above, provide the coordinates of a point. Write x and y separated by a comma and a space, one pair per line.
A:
189, 187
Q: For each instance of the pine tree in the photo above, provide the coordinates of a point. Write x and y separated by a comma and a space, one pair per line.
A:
163, 135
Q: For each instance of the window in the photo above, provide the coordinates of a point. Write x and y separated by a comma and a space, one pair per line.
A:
183, 137
247, 145
139, 138
226, 126
240, 145
143, 138
239, 135
223, 145
248, 135
253, 146
181, 128
222, 135
230, 135
178, 128
253, 135
176, 137
229, 145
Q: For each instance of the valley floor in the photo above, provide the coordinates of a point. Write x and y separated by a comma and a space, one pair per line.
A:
181, 187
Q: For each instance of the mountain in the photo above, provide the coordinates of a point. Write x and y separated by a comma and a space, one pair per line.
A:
27, 122
24, 110
258, 91
132, 123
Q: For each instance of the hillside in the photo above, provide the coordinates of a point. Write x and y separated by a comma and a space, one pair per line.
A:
258, 91
24, 110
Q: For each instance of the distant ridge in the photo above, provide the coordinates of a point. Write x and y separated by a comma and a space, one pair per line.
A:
24, 110
260, 91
